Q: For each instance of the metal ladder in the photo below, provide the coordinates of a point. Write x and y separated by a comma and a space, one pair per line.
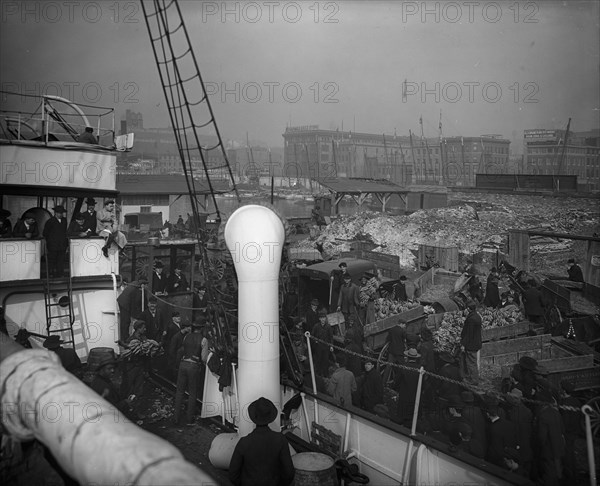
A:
189, 106
51, 290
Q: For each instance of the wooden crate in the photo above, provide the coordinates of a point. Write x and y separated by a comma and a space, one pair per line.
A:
505, 332
443, 256
516, 345
376, 332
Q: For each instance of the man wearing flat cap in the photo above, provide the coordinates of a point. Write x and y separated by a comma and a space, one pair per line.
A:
68, 356
55, 232
263, 456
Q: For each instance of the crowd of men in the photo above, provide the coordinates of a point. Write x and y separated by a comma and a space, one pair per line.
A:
520, 428
56, 232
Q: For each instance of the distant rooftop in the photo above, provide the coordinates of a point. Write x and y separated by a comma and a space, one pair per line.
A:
128, 184
359, 185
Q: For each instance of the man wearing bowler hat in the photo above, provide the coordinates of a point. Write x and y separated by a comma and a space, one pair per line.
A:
55, 233
90, 216
263, 456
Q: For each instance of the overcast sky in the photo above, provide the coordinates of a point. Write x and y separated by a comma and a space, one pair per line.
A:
490, 67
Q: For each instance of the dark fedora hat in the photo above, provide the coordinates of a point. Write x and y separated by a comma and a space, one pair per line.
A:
454, 401
59, 209
262, 411
53, 342
79, 216
347, 276
528, 363
467, 396
343, 264
323, 312
314, 302
90, 201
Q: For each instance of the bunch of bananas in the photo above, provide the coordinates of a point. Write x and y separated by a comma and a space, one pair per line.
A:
387, 307
147, 347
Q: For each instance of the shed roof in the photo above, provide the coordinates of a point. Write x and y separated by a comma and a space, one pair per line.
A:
356, 185
128, 184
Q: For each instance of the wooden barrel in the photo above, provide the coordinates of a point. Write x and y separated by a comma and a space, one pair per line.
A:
445, 305
314, 469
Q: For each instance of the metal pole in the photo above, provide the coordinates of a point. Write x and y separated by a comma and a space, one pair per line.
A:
310, 360
587, 412
413, 428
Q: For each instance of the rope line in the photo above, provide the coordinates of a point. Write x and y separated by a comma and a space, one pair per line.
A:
435, 375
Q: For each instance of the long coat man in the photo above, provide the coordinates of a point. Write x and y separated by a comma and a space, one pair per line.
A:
55, 233
470, 340
349, 298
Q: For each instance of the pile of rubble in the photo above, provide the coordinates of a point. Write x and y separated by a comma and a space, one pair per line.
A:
471, 222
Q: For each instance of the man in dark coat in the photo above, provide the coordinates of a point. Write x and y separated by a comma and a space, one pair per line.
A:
5, 224
492, 293
448, 369
188, 366
522, 419
77, 228
500, 433
533, 302
153, 319
311, 318
473, 416
88, 136
130, 304
55, 233
68, 356
322, 331
406, 384
371, 392
470, 340
159, 279
349, 298
91, 220
336, 282
575, 273
263, 456
549, 441
397, 345
26, 227
103, 384
572, 426
177, 281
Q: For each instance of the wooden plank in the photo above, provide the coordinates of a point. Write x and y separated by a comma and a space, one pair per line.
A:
563, 364
443, 256
497, 333
582, 379
518, 249
515, 345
